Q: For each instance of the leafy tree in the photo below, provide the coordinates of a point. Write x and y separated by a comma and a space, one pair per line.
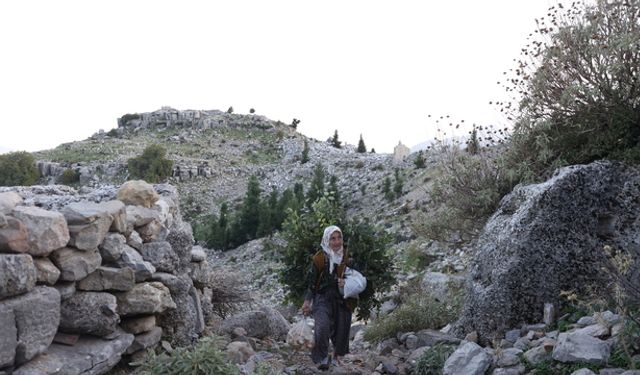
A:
252, 111
420, 162
334, 141
69, 176
305, 152
333, 189
18, 169
294, 123
303, 232
152, 166
230, 109
316, 190
373, 150
361, 147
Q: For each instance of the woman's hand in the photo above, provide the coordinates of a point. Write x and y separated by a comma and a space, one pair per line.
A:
306, 307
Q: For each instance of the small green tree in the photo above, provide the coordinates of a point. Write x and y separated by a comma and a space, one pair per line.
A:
334, 141
305, 153
399, 184
316, 190
361, 147
250, 212
18, 169
230, 109
69, 176
152, 166
334, 190
420, 162
373, 150
386, 189
473, 144
252, 111
294, 123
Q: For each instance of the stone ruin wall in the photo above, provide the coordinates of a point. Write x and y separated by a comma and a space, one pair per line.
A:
88, 280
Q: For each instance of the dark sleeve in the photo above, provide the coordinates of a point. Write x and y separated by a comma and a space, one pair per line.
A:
312, 275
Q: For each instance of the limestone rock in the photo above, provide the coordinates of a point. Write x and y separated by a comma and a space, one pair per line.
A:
138, 193
139, 216
132, 259
8, 201
468, 359
139, 324
439, 284
88, 224
46, 230
37, 315
65, 288
18, 274
578, 347
135, 240
239, 352
112, 247
92, 313
108, 278
152, 232
161, 255
266, 322
145, 340
75, 264
198, 254
13, 236
9, 341
184, 323
118, 212
145, 298
47, 272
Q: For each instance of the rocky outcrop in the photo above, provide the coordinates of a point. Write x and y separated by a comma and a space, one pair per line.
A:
71, 286
548, 238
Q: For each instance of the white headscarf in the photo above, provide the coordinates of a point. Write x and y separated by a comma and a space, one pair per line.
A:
335, 257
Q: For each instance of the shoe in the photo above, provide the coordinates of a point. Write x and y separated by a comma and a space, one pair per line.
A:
324, 365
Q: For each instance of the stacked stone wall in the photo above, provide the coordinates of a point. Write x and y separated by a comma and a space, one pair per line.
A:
86, 282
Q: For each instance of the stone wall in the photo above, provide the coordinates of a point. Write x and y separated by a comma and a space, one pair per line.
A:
88, 279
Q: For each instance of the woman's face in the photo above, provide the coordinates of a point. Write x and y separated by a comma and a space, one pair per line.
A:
335, 241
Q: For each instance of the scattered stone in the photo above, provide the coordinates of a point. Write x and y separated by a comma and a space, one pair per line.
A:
578, 347
46, 230
8, 201
469, 359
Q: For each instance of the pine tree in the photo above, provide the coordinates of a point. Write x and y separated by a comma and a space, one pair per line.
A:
361, 147
250, 212
419, 161
397, 187
316, 190
334, 141
473, 144
333, 190
386, 189
305, 152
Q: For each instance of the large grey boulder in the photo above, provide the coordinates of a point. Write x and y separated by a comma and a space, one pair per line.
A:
92, 313
184, 323
75, 264
266, 322
118, 212
547, 238
8, 201
13, 236
578, 347
37, 315
469, 359
138, 193
88, 224
138, 216
9, 336
18, 274
181, 239
89, 356
112, 247
46, 230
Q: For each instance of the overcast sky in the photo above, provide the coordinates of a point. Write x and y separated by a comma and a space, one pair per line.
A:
376, 68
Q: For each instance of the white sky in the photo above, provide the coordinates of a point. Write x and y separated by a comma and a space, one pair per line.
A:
376, 68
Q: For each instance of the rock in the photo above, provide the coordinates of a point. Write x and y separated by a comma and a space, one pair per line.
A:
37, 315
135, 240
108, 278
239, 352
88, 224
198, 254
9, 341
65, 288
118, 212
578, 347
112, 247
439, 284
586, 321
184, 323
8, 201
75, 264
90, 356
139, 216
152, 232
13, 236
138, 193
583, 371
537, 355
266, 322
132, 259
429, 337
468, 359
539, 242
596, 330
139, 324
518, 370
512, 335
549, 314
201, 274
18, 274
181, 240
145, 340
47, 272
46, 230
161, 255
145, 298
92, 313
508, 357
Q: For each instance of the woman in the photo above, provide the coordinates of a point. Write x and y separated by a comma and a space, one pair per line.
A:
331, 312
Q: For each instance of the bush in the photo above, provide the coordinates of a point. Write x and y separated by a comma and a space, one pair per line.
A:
419, 311
69, 176
152, 166
18, 169
432, 360
303, 231
205, 358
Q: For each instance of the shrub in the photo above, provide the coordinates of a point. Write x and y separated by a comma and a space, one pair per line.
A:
18, 169
152, 166
419, 311
361, 147
205, 358
432, 360
420, 162
334, 140
305, 153
69, 176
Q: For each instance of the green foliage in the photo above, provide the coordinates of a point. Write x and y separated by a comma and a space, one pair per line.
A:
432, 360
473, 144
152, 166
18, 169
303, 231
334, 140
316, 190
361, 147
399, 184
130, 116
415, 259
230, 110
113, 132
305, 153
69, 176
294, 123
420, 161
386, 189
263, 368
205, 358
252, 111
419, 311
